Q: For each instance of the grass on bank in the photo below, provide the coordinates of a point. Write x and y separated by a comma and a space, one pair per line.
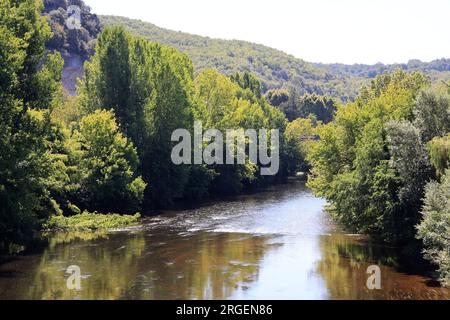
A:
87, 222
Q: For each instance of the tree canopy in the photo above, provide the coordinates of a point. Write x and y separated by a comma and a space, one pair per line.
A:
29, 80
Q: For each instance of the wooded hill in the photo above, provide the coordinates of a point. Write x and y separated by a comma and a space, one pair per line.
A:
273, 67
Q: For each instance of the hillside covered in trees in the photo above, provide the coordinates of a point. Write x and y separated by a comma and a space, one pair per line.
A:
275, 68
438, 70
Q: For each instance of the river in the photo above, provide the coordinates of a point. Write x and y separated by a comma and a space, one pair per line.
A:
276, 244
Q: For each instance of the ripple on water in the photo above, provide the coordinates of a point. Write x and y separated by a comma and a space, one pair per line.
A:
277, 244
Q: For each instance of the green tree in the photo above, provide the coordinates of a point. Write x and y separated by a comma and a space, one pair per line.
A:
107, 77
150, 88
170, 110
432, 113
361, 163
409, 157
277, 97
29, 79
108, 166
248, 81
439, 149
224, 104
320, 107
434, 230
300, 135
220, 108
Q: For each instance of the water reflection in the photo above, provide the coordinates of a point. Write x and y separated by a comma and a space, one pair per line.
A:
344, 264
274, 245
139, 266
202, 266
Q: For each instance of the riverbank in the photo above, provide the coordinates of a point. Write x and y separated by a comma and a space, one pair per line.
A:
90, 222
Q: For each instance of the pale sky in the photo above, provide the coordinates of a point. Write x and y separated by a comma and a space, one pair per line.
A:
345, 31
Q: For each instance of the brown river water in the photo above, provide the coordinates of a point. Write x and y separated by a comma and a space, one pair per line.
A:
277, 244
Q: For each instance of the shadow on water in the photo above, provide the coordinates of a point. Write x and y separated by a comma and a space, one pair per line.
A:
278, 244
344, 264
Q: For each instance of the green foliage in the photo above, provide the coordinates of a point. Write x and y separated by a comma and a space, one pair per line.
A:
300, 136
26, 32
439, 149
67, 109
372, 164
362, 163
247, 81
29, 79
434, 230
215, 92
152, 91
108, 164
149, 87
169, 110
276, 97
224, 103
107, 83
89, 222
320, 107
409, 158
432, 113
198, 186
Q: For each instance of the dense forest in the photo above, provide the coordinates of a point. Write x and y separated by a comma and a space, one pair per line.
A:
274, 68
381, 161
